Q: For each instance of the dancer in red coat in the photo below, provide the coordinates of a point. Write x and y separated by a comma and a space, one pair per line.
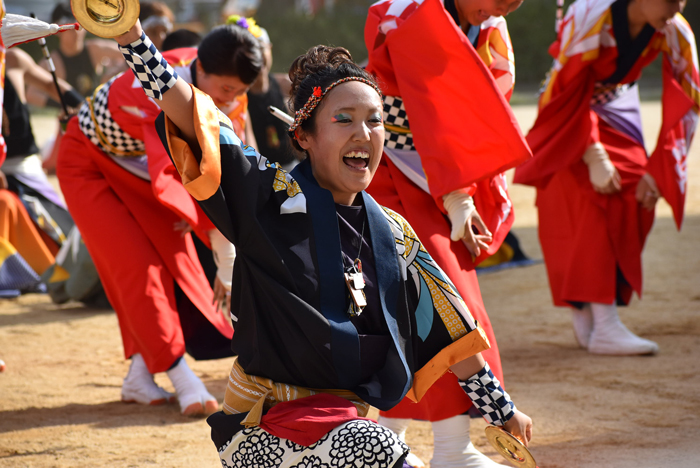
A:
448, 161
129, 203
596, 188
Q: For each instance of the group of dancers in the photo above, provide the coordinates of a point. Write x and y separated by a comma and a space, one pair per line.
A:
354, 281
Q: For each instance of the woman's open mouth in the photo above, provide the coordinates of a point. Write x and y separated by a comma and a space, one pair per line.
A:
356, 159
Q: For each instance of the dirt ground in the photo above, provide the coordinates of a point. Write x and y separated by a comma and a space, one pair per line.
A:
59, 397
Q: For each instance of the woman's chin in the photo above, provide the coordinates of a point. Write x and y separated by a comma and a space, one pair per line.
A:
360, 185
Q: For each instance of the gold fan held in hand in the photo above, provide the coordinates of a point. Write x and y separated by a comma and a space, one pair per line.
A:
106, 18
510, 447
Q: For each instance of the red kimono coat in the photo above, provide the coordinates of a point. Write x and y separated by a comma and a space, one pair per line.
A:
417, 51
592, 243
150, 271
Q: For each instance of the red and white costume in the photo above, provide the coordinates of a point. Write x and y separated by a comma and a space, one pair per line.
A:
126, 196
592, 243
423, 60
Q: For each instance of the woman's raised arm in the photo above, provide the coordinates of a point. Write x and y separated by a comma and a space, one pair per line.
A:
159, 80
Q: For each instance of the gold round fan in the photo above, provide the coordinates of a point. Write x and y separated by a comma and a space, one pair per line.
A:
106, 18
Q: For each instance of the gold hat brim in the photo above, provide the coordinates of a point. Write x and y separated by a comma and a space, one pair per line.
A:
510, 447
107, 26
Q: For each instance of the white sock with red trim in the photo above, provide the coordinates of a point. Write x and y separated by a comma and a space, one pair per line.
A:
193, 396
610, 336
453, 447
139, 387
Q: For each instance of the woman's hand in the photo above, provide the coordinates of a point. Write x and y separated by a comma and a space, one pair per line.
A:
601, 171
647, 192
520, 425
463, 215
224, 255
613, 185
222, 298
476, 242
133, 34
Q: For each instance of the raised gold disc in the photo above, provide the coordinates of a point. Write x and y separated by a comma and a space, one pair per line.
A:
510, 447
106, 18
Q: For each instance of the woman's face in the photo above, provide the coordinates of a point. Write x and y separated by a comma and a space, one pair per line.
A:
223, 89
658, 13
475, 12
348, 140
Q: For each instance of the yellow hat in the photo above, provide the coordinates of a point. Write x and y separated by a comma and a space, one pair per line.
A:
106, 18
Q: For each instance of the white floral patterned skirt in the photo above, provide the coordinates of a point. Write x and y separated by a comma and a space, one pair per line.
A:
357, 443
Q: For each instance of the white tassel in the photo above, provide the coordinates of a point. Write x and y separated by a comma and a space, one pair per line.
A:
17, 29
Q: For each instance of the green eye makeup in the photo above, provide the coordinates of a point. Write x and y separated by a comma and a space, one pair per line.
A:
340, 117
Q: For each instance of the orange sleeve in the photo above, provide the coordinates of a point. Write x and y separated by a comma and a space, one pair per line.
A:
201, 176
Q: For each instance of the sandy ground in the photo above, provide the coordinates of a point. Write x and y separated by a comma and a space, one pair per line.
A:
59, 397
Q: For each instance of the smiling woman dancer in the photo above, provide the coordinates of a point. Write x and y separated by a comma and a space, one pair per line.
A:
337, 304
596, 189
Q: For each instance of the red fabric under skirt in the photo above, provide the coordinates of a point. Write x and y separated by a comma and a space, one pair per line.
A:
592, 243
305, 420
137, 253
391, 188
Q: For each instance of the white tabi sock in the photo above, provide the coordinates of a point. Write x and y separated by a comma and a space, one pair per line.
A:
139, 387
399, 426
582, 320
610, 336
193, 396
453, 447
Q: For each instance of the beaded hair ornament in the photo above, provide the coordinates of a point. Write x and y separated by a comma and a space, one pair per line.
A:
318, 95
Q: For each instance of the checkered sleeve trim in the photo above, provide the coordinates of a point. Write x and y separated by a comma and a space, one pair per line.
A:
149, 66
488, 396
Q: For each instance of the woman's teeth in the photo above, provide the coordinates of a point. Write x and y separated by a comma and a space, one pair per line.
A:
356, 159
357, 154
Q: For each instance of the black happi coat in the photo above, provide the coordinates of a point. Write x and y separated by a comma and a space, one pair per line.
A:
289, 297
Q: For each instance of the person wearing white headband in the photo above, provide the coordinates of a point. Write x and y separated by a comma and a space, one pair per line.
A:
157, 20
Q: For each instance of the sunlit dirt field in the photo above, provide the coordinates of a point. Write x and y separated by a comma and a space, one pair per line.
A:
59, 397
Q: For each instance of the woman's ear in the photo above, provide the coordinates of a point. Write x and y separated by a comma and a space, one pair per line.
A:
303, 138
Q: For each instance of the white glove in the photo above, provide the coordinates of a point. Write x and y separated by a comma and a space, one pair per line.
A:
601, 171
462, 213
224, 255
459, 207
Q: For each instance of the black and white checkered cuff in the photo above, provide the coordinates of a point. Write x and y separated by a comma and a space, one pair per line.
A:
488, 396
149, 66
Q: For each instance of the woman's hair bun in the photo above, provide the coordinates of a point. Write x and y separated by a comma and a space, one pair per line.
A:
317, 59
